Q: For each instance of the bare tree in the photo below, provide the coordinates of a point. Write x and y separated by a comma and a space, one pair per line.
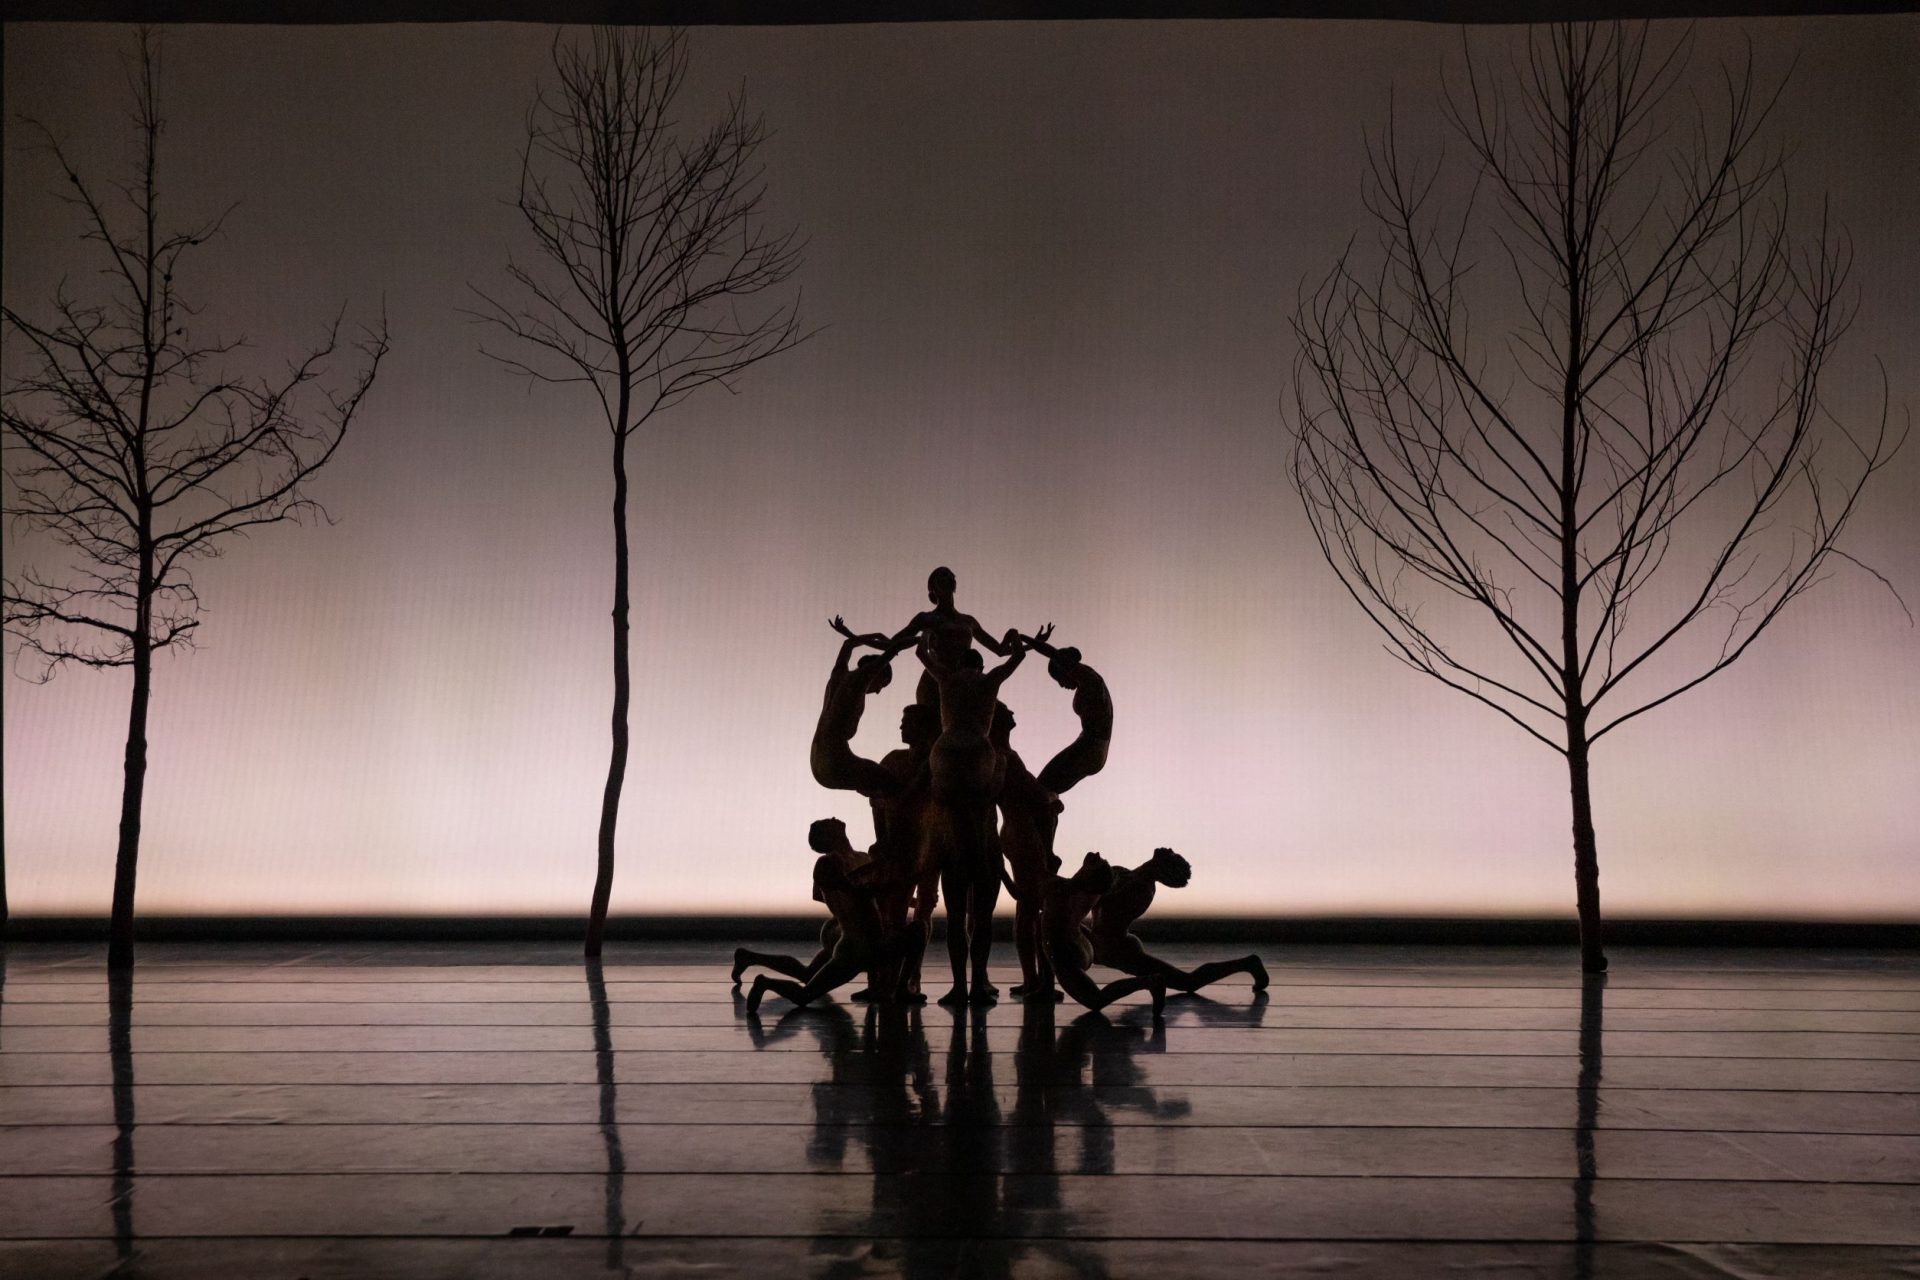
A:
650, 244
132, 448
1577, 482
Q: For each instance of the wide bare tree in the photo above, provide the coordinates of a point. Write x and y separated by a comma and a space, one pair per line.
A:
651, 251
1567, 444
135, 449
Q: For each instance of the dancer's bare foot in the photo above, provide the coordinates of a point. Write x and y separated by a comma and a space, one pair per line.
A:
740, 963
1159, 990
754, 996
984, 994
863, 995
1259, 972
955, 998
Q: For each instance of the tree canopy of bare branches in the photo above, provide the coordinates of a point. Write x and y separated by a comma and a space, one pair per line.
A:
1566, 444
652, 259
135, 450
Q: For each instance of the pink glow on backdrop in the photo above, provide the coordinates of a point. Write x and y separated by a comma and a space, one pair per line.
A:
1054, 361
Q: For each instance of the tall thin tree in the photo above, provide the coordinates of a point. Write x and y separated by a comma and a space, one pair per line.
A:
651, 245
1577, 479
134, 449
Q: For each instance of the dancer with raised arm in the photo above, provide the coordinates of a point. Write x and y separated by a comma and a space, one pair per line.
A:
1110, 928
1066, 904
963, 840
835, 766
1086, 755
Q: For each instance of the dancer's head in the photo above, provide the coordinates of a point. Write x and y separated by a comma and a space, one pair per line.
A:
919, 725
1064, 667
1094, 876
1169, 868
877, 670
941, 584
827, 835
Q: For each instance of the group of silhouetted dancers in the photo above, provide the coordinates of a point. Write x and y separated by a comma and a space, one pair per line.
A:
955, 810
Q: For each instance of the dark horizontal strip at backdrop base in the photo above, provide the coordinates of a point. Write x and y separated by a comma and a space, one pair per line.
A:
1395, 930
769, 13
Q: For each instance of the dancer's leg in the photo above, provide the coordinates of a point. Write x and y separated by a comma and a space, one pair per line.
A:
954, 883
1077, 984
843, 966
743, 959
984, 893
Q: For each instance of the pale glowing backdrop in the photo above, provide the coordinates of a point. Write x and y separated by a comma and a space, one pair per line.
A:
1056, 263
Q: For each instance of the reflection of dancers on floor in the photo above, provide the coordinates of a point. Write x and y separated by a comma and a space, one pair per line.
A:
1110, 925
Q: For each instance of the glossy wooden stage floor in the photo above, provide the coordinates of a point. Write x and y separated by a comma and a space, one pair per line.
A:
412, 1111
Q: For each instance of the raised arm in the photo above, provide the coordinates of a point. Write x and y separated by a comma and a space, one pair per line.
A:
999, 648
1016, 649
1038, 642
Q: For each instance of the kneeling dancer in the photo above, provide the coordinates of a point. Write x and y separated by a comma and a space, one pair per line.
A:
1069, 953
1110, 927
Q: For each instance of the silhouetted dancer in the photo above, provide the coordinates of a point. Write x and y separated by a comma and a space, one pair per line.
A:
835, 766
1109, 928
1086, 755
943, 631
899, 827
1069, 953
962, 835
827, 837
859, 948
616, 1211
1029, 815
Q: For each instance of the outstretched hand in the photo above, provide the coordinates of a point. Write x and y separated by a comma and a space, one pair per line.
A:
838, 625
1044, 634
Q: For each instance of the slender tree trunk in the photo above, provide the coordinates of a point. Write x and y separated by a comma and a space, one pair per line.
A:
622, 689
1586, 856
133, 789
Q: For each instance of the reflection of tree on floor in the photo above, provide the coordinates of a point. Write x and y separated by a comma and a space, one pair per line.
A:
616, 1215
1593, 995
120, 1049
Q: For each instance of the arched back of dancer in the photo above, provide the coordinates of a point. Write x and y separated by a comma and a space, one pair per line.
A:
1066, 904
835, 766
1110, 928
1086, 755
